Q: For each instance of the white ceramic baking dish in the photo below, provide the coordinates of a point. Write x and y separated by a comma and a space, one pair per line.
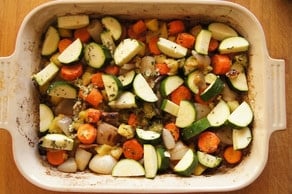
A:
19, 101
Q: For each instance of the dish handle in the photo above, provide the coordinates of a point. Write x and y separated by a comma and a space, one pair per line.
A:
6, 90
278, 94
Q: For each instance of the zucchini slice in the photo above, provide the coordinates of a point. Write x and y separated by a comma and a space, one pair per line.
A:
71, 53
126, 50
150, 161
112, 25
96, 55
208, 160
202, 41
187, 164
62, 89
169, 84
143, 90
127, 78
125, 100
163, 159
195, 128
186, 114
128, 168
221, 31
233, 45
212, 90
73, 21
148, 137
190, 81
219, 114
112, 86
242, 116
171, 49
51, 41
169, 107
57, 141
46, 74
241, 138
46, 117
239, 82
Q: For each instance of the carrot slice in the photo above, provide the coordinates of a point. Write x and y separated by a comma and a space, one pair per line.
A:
71, 72
213, 45
133, 149
208, 142
152, 45
162, 68
221, 64
139, 27
86, 133
63, 44
56, 157
112, 69
94, 97
232, 156
174, 130
181, 93
93, 115
96, 79
186, 40
132, 120
175, 27
82, 34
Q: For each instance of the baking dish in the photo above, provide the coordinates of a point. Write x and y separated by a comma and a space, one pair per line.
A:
19, 102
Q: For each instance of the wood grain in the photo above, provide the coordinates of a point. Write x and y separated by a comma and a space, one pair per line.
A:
275, 17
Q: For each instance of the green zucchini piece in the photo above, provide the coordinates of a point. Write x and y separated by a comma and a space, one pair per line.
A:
96, 55
170, 84
219, 114
202, 41
62, 89
72, 52
186, 114
112, 86
187, 164
148, 137
233, 45
57, 141
171, 49
112, 25
212, 90
128, 168
143, 90
150, 161
208, 160
46, 117
50, 44
46, 74
195, 128
242, 116
221, 31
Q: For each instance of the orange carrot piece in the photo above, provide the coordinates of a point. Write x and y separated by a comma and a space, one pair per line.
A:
86, 133
162, 68
152, 45
175, 27
63, 44
186, 40
112, 69
56, 157
139, 27
94, 97
213, 45
82, 34
93, 115
181, 93
174, 130
71, 72
221, 64
208, 142
131, 34
132, 120
133, 149
232, 156
96, 79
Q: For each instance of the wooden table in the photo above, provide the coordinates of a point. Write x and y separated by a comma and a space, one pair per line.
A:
275, 17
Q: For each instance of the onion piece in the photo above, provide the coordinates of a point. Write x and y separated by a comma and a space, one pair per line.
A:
102, 164
69, 165
178, 151
82, 158
168, 139
64, 123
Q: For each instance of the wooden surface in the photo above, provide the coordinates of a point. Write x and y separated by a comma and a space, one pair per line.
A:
275, 17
